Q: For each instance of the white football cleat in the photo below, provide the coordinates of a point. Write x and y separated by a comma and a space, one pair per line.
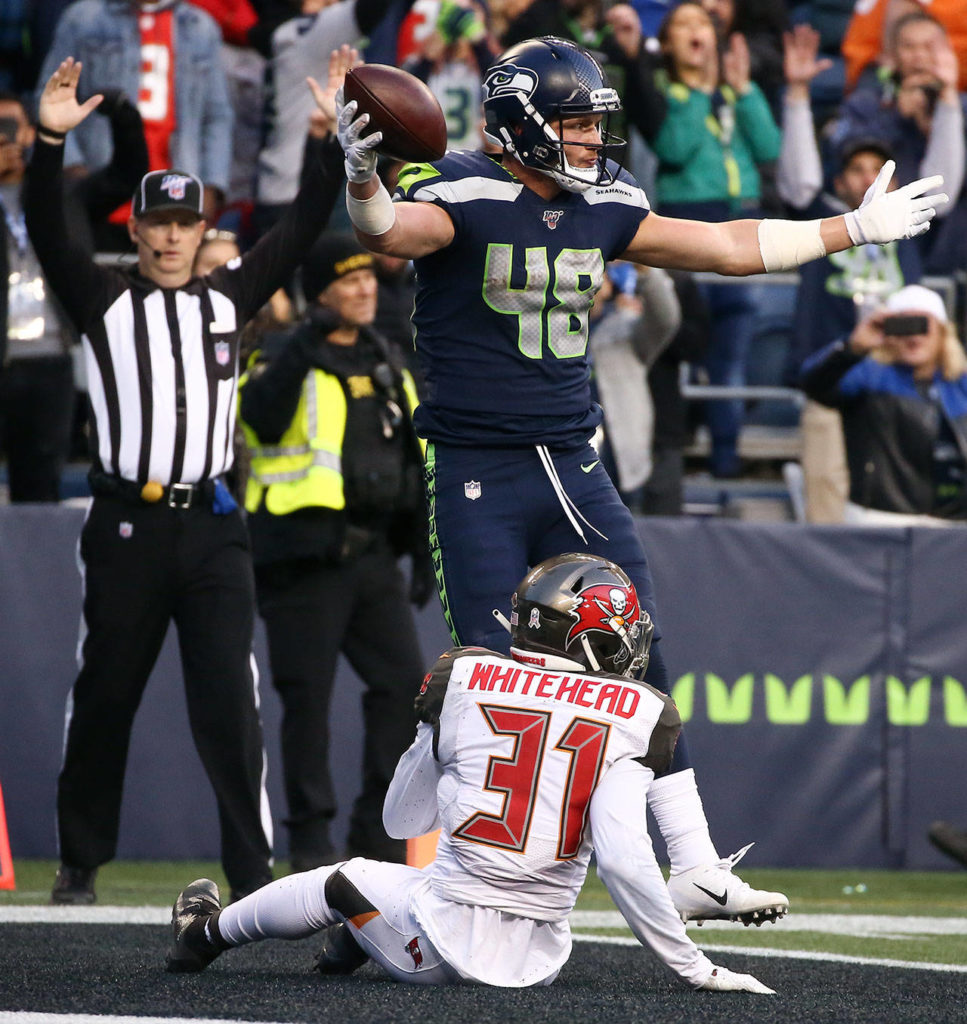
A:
723, 980
714, 893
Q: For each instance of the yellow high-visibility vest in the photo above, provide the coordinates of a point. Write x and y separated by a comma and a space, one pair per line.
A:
304, 469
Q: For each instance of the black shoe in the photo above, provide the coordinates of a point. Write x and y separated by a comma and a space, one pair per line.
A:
74, 886
191, 949
340, 953
949, 840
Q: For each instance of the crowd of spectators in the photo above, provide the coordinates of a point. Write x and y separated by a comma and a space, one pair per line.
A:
734, 108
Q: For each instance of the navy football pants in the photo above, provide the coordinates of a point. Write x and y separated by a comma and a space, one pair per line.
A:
483, 546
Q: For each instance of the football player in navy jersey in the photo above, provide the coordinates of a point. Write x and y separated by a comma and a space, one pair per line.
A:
509, 251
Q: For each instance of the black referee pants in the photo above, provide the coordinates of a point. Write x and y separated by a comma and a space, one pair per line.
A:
144, 565
312, 612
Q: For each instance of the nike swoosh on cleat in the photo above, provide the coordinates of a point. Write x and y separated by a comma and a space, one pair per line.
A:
720, 900
589, 466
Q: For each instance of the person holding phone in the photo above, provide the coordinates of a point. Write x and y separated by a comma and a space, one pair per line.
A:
900, 382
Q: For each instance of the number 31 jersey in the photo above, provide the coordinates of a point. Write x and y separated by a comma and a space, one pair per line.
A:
521, 751
501, 314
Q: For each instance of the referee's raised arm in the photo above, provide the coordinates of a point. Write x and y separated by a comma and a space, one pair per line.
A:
272, 261
73, 276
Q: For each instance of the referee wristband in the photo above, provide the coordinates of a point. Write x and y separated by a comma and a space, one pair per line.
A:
373, 216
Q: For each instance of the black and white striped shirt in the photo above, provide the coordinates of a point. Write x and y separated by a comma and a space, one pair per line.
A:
162, 363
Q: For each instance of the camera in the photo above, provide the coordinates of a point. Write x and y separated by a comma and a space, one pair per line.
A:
901, 325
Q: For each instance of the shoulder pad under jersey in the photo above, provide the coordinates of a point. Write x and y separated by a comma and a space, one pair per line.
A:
661, 746
429, 701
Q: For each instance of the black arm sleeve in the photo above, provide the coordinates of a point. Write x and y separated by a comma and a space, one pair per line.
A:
274, 258
79, 284
104, 190
822, 373
369, 13
645, 102
419, 67
483, 54
271, 394
314, 152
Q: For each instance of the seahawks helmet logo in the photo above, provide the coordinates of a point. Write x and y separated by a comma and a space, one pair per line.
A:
509, 78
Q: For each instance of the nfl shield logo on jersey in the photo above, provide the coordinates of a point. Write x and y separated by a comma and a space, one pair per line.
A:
551, 217
472, 489
223, 353
126, 529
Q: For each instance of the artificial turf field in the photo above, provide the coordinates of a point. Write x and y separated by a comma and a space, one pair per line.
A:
892, 947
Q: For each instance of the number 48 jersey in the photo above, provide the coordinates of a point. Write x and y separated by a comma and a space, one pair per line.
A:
521, 751
502, 313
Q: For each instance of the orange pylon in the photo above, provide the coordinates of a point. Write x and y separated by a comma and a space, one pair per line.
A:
6, 861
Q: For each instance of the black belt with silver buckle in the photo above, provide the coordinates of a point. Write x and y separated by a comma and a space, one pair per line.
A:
177, 495
181, 495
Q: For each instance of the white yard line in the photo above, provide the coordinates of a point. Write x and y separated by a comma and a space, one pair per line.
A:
33, 914
885, 926
30, 1017
791, 954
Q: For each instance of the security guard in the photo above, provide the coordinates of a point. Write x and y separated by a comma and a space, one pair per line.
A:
334, 497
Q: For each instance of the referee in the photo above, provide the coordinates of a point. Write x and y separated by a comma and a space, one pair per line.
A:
163, 539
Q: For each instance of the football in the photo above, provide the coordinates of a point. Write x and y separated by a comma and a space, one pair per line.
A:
402, 108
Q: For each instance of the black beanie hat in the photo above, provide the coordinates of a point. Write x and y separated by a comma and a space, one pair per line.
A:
332, 257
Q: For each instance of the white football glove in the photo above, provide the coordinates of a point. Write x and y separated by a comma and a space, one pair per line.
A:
723, 980
887, 216
360, 152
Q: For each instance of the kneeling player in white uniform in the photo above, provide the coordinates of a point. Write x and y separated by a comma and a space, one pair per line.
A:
527, 763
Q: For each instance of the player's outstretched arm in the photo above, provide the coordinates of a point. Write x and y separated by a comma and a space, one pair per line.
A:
740, 247
407, 230
630, 872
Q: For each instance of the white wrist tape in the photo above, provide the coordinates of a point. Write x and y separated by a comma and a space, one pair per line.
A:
373, 216
785, 244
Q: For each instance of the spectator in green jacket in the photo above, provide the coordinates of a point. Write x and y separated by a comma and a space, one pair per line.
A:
717, 131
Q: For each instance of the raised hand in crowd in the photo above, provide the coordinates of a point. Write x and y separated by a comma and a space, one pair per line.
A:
626, 28
801, 61
736, 64
322, 120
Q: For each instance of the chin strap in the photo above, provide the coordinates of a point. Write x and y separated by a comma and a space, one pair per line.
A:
501, 618
592, 660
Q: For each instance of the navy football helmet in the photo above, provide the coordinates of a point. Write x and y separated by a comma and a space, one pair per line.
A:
579, 610
530, 89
